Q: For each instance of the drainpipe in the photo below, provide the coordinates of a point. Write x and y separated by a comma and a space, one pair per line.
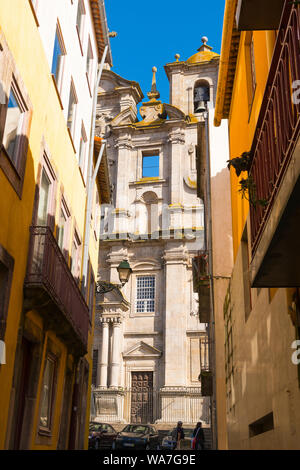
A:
208, 245
92, 174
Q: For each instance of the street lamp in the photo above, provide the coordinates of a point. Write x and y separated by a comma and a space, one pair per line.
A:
124, 270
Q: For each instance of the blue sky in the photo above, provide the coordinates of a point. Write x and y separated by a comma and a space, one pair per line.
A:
152, 32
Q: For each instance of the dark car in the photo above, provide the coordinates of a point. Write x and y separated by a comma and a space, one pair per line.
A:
137, 436
101, 436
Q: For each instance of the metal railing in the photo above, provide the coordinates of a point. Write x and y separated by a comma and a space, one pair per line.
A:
48, 270
167, 405
278, 124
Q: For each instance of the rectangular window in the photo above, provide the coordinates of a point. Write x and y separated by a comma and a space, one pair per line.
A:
58, 58
145, 298
15, 119
89, 63
76, 257
150, 166
44, 199
13, 126
80, 19
6, 272
82, 151
72, 109
63, 228
45, 209
47, 394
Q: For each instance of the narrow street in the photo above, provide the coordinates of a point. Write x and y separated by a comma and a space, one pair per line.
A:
149, 221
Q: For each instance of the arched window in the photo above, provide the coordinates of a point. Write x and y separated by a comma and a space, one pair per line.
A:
201, 96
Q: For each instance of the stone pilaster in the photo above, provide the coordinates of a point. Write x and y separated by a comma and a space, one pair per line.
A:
175, 317
177, 140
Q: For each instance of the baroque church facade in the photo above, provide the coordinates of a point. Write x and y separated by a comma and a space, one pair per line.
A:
149, 345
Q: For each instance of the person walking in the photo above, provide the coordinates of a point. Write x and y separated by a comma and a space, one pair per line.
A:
198, 437
178, 435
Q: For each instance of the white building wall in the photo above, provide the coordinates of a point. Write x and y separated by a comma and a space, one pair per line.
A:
49, 14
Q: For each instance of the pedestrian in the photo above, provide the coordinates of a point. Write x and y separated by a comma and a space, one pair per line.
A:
198, 437
178, 435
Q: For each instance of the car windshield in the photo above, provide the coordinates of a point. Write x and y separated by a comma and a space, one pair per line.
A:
95, 427
136, 429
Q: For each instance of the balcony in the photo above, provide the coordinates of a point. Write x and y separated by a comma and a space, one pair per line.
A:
275, 165
254, 15
51, 289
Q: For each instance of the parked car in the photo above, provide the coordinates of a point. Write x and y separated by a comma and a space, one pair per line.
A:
169, 443
101, 436
137, 436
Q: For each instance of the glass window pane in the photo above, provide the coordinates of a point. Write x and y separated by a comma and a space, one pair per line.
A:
80, 13
89, 62
12, 125
57, 58
46, 394
43, 200
82, 151
150, 166
61, 229
145, 302
71, 110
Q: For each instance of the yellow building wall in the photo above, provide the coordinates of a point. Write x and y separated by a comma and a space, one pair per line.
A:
48, 122
242, 124
265, 379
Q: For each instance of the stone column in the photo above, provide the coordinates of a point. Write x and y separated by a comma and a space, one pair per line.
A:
103, 364
115, 364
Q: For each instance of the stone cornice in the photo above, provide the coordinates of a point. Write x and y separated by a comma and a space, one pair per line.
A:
176, 257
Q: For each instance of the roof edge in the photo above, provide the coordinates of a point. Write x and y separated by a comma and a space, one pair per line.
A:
228, 26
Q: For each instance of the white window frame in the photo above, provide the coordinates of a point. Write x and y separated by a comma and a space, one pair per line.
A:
80, 28
145, 312
73, 123
59, 80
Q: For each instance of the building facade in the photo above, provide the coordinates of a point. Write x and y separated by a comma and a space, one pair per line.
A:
49, 55
258, 93
149, 344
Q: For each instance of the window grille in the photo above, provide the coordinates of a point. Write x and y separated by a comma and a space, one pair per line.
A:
145, 300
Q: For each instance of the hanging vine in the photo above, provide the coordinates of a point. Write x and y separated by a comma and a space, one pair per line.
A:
247, 185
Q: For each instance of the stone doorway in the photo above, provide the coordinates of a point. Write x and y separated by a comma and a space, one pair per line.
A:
142, 397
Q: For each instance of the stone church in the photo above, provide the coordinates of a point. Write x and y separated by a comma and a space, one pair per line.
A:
149, 345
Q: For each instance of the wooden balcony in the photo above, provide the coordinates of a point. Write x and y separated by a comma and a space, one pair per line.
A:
275, 165
51, 289
255, 15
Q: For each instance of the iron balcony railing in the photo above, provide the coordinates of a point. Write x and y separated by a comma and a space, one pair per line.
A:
49, 272
278, 124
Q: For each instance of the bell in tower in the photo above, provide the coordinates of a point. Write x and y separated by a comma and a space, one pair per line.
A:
201, 97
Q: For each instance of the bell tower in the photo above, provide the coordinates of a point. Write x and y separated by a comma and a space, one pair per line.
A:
193, 83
